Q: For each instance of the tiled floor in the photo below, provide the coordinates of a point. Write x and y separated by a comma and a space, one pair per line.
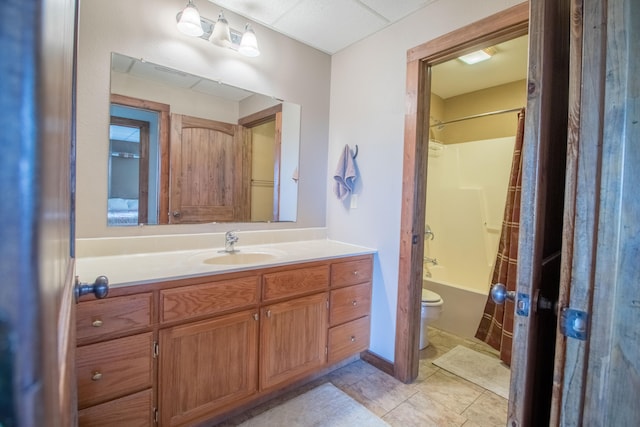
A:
437, 397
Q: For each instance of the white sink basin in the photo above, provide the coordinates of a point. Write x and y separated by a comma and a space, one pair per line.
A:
240, 257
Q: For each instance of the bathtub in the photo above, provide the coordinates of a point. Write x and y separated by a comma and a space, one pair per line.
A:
463, 301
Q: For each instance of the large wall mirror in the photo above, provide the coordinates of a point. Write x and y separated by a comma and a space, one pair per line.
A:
184, 149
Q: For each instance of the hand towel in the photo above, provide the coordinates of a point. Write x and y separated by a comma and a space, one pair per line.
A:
345, 174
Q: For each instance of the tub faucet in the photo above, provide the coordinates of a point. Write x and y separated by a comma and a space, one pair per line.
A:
433, 261
428, 233
230, 239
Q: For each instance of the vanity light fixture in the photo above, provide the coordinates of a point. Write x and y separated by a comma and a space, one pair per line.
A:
221, 35
189, 20
478, 56
191, 23
249, 43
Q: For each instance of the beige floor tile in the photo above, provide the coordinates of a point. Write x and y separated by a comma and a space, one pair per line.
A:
450, 391
488, 410
421, 411
352, 373
380, 391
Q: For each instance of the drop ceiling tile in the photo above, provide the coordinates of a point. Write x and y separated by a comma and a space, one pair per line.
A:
394, 10
329, 25
262, 11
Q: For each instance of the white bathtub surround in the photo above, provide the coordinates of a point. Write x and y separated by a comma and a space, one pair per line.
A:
466, 193
144, 267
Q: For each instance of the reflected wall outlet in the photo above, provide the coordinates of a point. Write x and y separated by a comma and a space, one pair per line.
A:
354, 201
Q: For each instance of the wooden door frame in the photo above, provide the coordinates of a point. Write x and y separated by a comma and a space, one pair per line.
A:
502, 26
272, 113
163, 111
143, 163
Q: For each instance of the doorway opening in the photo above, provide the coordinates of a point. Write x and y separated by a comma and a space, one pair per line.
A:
512, 23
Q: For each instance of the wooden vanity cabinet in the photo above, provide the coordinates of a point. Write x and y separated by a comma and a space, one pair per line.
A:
206, 366
293, 339
350, 308
115, 363
222, 341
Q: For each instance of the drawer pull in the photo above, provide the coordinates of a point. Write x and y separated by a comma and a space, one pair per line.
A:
96, 323
353, 338
96, 376
356, 272
354, 303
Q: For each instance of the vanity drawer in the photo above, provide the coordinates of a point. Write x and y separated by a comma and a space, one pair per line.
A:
295, 282
349, 303
351, 272
348, 339
135, 410
113, 369
209, 298
98, 318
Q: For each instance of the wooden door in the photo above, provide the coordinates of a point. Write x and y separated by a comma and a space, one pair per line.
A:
603, 275
541, 213
205, 366
36, 169
293, 339
206, 171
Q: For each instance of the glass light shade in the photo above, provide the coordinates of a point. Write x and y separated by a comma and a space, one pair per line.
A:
189, 22
221, 34
249, 43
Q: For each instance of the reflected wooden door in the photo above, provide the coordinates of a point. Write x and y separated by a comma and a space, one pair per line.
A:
206, 171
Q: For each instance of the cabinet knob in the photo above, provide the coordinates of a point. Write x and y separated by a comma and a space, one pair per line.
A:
96, 376
354, 303
269, 313
255, 316
356, 272
353, 338
96, 323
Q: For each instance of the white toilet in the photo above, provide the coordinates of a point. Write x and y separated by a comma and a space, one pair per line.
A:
431, 309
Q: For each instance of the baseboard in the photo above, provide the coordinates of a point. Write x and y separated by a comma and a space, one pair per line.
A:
378, 361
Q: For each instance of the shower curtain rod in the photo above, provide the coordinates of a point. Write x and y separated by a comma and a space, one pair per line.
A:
475, 116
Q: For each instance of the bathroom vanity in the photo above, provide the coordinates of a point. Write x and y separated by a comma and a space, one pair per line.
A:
181, 351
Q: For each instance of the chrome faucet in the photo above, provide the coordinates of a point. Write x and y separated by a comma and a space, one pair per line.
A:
433, 261
230, 239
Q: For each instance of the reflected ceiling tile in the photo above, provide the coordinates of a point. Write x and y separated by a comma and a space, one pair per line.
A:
221, 90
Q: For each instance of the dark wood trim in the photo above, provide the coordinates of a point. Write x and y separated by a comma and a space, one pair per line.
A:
502, 26
260, 117
377, 362
163, 133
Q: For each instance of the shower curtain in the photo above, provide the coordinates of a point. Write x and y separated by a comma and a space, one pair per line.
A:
496, 325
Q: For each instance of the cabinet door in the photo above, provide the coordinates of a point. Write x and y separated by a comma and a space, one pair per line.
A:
207, 365
293, 338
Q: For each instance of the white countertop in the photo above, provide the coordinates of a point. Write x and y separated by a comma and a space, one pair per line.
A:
142, 268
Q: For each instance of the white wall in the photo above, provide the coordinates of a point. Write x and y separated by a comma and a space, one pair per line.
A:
146, 29
368, 81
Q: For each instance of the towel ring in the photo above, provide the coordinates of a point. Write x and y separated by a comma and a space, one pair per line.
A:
356, 153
